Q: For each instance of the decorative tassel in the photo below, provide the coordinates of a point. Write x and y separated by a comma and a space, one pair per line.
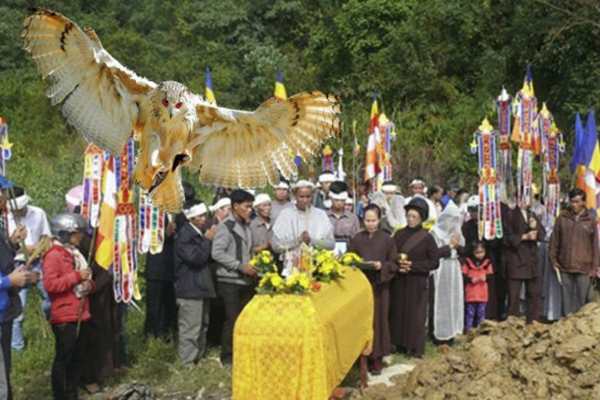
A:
490, 218
150, 226
92, 184
552, 146
327, 162
527, 134
125, 232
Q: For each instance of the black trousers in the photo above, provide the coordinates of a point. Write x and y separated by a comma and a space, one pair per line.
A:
66, 368
533, 295
6, 352
235, 297
161, 309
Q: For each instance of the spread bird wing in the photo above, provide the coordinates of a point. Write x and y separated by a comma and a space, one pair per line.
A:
250, 149
98, 93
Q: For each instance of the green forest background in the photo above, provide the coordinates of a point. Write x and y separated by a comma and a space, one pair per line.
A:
437, 64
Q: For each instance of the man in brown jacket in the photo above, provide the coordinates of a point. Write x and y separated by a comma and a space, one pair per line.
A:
574, 252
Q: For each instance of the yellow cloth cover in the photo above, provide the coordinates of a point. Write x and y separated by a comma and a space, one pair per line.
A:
293, 347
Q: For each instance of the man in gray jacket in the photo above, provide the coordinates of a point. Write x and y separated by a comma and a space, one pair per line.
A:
231, 249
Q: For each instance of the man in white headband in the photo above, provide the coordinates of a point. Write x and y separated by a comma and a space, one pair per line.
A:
221, 210
345, 224
322, 195
261, 225
282, 199
349, 205
194, 286
35, 221
301, 224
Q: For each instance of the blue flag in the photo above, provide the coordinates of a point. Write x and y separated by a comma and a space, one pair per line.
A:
579, 134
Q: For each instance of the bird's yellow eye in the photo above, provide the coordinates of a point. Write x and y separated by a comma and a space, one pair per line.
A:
165, 102
178, 105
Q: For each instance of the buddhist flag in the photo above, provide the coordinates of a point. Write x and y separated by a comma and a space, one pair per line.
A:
208, 91
105, 234
579, 135
371, 164
280, 92
589, 145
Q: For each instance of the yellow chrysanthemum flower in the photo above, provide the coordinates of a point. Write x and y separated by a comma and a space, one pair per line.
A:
276, 281
304, 281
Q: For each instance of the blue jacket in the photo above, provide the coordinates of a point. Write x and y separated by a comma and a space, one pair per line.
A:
4, 299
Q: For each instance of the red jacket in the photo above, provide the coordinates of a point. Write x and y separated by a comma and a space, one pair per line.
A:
476, 292
60, 278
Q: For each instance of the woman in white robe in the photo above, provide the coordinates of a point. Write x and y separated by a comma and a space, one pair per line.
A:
448, 302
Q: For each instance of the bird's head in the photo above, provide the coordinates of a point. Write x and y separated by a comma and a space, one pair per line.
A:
172, 100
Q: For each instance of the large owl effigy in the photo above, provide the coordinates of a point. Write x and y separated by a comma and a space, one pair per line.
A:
108, 103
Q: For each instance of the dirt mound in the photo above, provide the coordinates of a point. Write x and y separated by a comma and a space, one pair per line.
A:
510, 360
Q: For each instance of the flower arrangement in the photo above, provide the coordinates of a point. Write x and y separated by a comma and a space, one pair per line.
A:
351, 259
264, 263
327, 267
314, 267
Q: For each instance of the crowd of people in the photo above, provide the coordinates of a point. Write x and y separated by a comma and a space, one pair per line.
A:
430, 272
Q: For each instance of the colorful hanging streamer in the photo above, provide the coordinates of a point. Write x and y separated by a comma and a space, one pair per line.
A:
5, 146
552, 146
490, 218
526, 134
505, 180
327, 161
92, 184
125, 256
151, 226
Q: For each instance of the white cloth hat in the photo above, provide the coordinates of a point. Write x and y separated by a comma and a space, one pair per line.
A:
326, 177
303, 183
350, 201
389, 188
473, 201
338, 196
223, 202
282, 185
19, 202
261, 198
416, 182
194, 211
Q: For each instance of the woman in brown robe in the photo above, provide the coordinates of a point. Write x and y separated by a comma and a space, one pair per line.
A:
409, 290
377, 248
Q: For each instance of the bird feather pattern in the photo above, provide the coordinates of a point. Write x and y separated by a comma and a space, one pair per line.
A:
106, 102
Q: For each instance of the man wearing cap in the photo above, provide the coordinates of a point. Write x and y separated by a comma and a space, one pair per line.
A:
34, 219
194, 284
301, 224
321, 196
236, 278
261, 225
345, 224
282, 199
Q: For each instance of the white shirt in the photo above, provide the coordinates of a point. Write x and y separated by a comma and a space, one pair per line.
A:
36, 223
291, 222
